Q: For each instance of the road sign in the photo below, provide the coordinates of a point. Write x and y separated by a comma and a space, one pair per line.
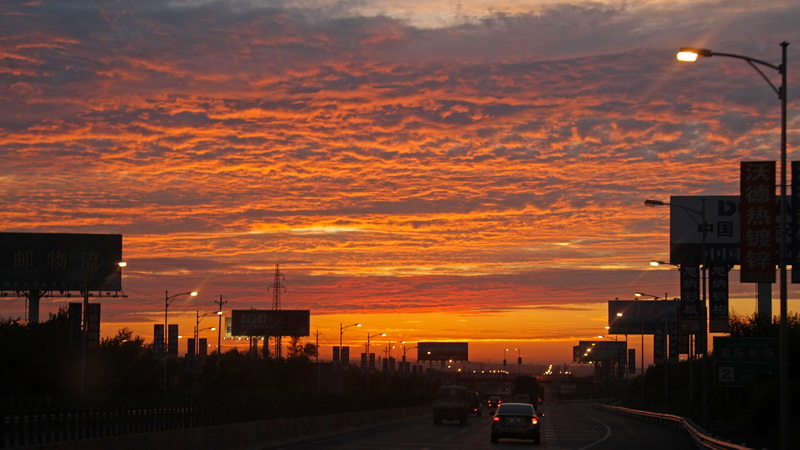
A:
739, 360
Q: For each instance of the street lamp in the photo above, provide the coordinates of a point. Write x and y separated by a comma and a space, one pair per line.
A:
369, 338
197, 330
691, 54
702, 225
405, 349
219, 330
666, 357
168, 299
339, 370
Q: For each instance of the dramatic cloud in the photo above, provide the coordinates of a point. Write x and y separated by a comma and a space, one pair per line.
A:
468, 157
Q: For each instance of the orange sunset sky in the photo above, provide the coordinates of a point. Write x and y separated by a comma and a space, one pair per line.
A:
436, 170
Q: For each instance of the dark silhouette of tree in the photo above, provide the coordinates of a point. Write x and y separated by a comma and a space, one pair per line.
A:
123, 365
297, 349
35, 356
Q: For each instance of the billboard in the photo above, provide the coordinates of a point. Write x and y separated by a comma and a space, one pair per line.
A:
60, 262
686, 232
272, 322
723, 230
442, 351
595, 351
642, 317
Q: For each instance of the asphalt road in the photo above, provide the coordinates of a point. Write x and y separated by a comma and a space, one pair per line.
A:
565, 426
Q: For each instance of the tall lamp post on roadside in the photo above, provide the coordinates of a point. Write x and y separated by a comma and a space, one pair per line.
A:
666, 339
369, 338
690, 55
339, 369
197, 330
219, 330
168, 299
702, 224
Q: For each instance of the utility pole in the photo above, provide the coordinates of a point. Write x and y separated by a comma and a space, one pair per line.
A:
219, 331
316, 335
277, 287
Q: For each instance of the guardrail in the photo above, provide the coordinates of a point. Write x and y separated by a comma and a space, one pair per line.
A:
697, 434
265, 434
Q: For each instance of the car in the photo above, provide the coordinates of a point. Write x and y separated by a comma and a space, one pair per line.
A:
474, 400
493, 402
515, 420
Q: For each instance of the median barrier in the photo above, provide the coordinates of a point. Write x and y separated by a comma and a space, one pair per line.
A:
258, 435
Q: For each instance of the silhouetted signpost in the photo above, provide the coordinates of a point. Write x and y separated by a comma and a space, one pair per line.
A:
739, 360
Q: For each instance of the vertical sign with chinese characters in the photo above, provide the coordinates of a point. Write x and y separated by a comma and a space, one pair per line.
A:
690, 316
158, 341
75, 338
621, 361
172, 341
718, 299
659, 347
92, 325
631, 360
757, 215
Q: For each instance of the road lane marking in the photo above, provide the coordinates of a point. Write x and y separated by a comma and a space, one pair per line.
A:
608, 431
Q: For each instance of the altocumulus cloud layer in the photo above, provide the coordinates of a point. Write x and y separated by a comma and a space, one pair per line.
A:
425, 156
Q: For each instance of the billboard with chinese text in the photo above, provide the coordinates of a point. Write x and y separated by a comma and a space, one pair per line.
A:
60, 261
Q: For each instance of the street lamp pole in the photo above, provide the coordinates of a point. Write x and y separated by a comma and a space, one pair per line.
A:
219, 331
339, 369
168, 299
369, 338
691, 54
197, 330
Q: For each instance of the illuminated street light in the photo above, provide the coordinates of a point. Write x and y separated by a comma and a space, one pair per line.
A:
197, 330
691, 54
369, 338
168, 299
339, 370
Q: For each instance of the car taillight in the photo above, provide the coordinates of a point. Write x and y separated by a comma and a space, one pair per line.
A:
534, 421
496, 419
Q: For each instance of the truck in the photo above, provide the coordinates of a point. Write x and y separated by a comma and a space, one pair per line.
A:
450, 403
526, 385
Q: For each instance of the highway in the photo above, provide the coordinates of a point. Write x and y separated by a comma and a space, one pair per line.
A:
565, 426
